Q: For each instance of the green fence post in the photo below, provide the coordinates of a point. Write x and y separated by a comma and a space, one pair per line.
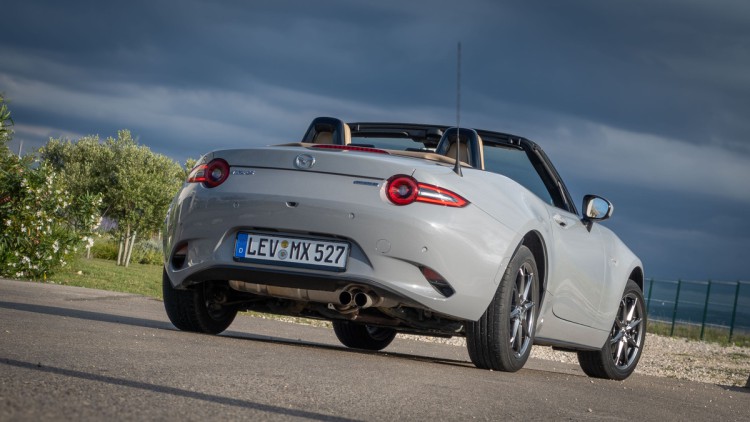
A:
650, 289
674, 309
705, 309
734, 310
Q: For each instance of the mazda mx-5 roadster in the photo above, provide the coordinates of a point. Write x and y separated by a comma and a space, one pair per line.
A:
386, 228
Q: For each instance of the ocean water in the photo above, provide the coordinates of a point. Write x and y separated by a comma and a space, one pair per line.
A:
696, 298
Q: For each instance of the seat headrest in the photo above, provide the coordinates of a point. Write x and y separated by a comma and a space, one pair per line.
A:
328, 130
472, 149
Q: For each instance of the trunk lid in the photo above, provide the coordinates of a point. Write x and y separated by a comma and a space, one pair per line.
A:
341, 162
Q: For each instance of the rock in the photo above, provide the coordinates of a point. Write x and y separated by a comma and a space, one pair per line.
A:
748, 382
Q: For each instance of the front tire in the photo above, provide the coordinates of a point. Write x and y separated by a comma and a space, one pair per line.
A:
502, 338
360, 336
200, 309
620, 354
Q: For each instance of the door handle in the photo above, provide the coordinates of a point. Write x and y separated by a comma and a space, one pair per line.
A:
559, 219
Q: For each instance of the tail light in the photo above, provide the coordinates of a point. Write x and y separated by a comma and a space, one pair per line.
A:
403, 190
211, 175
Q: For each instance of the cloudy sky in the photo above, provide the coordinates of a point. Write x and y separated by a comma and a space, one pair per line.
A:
644, 102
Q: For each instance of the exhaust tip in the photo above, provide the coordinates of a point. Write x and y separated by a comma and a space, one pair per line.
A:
363, 300
346, 298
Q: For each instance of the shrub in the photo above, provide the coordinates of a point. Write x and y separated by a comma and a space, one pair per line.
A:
144, 252
104, 248
148, 252
41, 224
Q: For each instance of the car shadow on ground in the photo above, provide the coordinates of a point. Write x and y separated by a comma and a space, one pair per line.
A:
338, 348
87, 315
164, 325
238, 335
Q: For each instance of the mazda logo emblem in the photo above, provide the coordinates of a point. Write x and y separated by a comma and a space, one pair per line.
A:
304, 161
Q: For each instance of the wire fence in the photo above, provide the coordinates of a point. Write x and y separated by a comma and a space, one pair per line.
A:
708, 304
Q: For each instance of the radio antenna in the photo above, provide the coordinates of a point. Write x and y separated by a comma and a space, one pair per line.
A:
457, 167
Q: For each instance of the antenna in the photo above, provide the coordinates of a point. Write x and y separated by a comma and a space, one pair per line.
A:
457, 167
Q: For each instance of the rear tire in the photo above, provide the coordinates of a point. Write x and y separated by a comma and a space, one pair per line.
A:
502, 338
360, 336
199, 309
622, 351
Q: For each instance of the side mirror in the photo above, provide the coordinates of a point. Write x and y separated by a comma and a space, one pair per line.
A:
596, 208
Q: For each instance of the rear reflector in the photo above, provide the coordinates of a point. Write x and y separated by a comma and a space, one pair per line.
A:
437, 281
179, 256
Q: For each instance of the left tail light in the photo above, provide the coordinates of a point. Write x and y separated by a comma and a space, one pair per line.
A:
404, 190
211, 175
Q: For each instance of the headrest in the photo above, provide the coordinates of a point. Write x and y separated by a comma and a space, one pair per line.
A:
328, 130
472, 149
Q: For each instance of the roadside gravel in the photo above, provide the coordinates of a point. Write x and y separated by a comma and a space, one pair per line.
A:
664, 357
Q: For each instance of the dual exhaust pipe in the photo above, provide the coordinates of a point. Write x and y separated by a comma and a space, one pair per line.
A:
353, 299
356, 298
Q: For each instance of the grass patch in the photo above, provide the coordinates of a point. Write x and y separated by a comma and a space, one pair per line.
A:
711, 334
103, 274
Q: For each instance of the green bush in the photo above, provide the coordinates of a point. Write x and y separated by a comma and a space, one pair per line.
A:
42, 225
148, 252
104, 248
144, 252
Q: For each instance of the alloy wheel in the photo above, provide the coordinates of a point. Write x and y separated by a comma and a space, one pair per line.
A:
627, 336
522, 311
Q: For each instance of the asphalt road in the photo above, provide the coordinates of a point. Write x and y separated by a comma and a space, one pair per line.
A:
68, 353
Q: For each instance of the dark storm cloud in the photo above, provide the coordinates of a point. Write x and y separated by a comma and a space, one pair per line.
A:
676, 69
645, 102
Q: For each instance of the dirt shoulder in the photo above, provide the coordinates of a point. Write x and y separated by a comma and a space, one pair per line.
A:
670, 357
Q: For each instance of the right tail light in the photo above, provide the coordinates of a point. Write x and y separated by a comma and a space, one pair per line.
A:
404, 190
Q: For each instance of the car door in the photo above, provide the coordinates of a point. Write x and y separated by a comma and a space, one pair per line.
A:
578, 269
576, 277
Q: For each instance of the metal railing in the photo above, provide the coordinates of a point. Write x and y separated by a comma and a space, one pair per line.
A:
718, 304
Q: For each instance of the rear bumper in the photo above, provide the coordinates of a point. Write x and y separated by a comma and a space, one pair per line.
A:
388, 243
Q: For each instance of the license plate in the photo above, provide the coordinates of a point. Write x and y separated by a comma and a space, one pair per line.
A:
291, 251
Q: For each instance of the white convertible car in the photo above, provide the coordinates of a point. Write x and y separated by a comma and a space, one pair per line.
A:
384, 228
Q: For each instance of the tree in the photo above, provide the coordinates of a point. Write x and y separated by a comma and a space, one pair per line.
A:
6, 123
136, 184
